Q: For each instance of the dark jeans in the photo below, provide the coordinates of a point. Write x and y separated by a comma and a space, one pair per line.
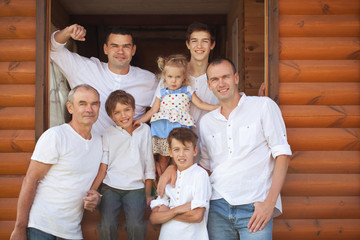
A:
133, 202
36, 234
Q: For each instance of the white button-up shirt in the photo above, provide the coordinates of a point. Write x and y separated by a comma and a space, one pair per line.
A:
129, 157
240, 150
193, 185
141, 84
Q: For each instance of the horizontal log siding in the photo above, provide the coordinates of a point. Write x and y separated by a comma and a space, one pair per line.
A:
319, 95
17, 102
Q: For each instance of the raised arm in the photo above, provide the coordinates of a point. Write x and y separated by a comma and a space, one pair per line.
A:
35, 173
74, 31
202, 105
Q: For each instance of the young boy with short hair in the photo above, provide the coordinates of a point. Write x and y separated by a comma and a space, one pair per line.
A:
183, 210
127, 167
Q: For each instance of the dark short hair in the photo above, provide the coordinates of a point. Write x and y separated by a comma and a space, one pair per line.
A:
219, 60
183, 135
84, 86
120, 31
118, 96
198, 26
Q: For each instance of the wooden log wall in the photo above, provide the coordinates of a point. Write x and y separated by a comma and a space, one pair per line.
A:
319, 95
17, 102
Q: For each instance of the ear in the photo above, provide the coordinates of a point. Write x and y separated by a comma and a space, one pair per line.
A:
69, 107
133, 50
105, 49
195, 151
236, 78
187, 45
212, 45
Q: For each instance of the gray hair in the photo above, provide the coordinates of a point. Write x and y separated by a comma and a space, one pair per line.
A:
84, 86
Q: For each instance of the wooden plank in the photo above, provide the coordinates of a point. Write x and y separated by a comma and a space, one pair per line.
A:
325, 162
319, 93
17, 72
324, 139
319, 26
254, 25
14, 163
10, 53
321, 185
316, 7
319, 71
254, 60
254, 43
17, 27
320, 207
307, 48
8, 209
17, 118
17, 140
323, 229
10, 186
6, 227
345, 116
18, 8
17, 96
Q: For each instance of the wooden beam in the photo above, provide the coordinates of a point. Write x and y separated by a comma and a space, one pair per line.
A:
17, 72
272, 85
17, 96
17, 118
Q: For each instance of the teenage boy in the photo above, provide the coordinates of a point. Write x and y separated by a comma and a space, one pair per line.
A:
117, 73
127, 167
183, 210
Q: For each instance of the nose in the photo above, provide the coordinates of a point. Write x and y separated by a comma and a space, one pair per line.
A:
221, 82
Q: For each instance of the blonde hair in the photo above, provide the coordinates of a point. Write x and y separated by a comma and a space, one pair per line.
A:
175, 60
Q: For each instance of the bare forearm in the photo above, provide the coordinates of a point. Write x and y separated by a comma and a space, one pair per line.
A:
280, 170
148, 186
160, 217
202, 105
193, 216
25, 201
63, 36
100, 177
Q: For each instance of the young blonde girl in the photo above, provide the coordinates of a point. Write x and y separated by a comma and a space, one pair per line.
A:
171, 106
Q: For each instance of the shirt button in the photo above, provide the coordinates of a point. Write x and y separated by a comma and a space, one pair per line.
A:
177, 198
230, 138
229, 125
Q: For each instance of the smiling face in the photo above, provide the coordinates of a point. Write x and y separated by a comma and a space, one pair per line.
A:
84, 107
120, 50
123, 116
200, 45
174, 77
222, 81
183, 155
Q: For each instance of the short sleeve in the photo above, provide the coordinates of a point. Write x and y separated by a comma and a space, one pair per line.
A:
189, 91
47, 147
202, 191
274, 129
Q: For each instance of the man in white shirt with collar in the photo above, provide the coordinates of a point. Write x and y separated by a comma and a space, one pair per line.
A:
244, 146
116, 74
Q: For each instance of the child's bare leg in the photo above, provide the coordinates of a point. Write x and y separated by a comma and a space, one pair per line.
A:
162, 164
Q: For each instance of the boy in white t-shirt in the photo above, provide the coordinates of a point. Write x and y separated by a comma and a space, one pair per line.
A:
183, 210
127, 167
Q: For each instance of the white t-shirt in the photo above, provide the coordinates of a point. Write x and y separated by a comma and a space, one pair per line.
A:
240, 150
58, 205
192, 185
129, 157
141, 84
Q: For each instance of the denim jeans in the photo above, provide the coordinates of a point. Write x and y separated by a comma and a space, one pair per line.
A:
36, 234
133, 202
230, 222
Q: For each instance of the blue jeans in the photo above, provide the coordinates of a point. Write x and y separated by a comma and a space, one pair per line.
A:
133, 202
230, 222
36, 234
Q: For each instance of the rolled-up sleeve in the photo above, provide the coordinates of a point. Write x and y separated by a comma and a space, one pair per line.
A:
202, 191
275, 130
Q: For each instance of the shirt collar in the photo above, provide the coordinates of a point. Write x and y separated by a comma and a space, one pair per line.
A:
188, 169
115, 75
217, 112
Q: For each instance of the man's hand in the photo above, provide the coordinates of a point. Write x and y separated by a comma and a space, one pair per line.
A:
77, 32
261, 91
91, 200
168, 176
18, 234
262, 215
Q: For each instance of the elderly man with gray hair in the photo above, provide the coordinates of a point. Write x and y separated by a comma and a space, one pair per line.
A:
62, 167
